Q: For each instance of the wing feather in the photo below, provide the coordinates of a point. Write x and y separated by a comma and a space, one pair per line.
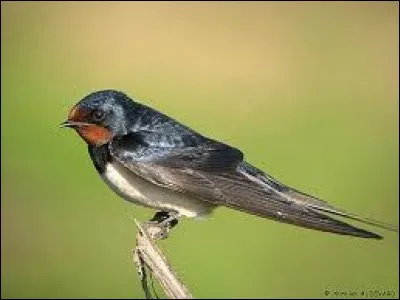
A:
216, 173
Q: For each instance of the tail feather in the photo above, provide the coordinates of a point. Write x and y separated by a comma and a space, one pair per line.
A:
286, 204
322, 206
301, 216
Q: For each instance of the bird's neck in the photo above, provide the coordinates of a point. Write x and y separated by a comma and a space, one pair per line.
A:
100, 156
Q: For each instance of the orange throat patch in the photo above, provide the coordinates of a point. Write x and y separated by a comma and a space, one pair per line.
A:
94, 134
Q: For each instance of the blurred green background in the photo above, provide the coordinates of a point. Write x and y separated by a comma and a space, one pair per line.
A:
308, 91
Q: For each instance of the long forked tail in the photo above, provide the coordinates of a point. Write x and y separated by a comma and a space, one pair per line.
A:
288, 205
299, 215
320, 205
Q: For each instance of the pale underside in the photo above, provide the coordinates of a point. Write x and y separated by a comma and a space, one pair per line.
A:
138, 190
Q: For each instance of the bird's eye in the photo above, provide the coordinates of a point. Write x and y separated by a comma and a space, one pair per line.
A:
98, 115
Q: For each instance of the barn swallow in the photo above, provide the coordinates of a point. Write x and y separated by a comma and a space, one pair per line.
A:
155, 161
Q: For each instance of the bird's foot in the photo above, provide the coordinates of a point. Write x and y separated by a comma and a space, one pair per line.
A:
165, 218
162, 222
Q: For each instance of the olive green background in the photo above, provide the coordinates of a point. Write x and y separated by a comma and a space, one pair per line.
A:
308, 91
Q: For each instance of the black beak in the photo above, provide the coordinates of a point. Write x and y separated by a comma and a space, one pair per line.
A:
71, 124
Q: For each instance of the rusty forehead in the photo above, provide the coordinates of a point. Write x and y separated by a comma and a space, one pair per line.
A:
78, 113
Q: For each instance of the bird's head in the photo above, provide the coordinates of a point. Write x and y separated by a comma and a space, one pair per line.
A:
100, 116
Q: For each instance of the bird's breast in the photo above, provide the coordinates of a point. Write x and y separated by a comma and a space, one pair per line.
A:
136, 189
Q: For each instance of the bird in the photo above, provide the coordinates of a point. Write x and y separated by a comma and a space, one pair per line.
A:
153, 160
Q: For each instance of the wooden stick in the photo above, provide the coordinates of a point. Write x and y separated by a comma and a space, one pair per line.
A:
147, 254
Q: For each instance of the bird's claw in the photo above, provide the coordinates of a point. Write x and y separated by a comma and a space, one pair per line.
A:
160, 225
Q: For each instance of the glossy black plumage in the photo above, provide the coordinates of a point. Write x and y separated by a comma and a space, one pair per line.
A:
170, 155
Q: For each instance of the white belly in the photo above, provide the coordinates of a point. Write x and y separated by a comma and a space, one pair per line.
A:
140, 191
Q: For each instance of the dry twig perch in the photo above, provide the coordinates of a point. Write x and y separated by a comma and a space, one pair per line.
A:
148, 255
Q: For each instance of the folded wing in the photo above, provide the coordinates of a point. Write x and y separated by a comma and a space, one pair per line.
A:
216, 173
